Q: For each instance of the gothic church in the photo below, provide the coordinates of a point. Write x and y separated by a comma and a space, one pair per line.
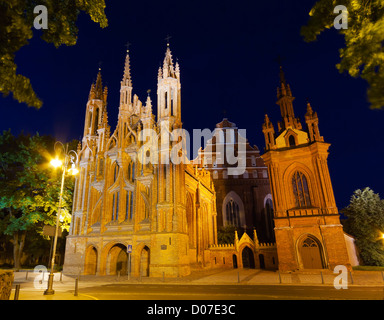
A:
165, 214
159, 219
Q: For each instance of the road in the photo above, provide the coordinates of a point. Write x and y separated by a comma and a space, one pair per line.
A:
229, 292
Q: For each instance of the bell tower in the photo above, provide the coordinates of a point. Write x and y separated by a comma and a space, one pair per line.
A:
308, 231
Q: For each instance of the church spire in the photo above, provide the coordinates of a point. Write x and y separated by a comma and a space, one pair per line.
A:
126, 85
99, 86
169, 90
127, 72
312, 122
96, 105
284, 100
269, 133
168, 67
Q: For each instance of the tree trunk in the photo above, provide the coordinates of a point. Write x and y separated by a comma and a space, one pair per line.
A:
18, 246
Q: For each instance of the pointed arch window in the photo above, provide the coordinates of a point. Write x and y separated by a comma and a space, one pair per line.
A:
172, 105
115, 206
96, 122
115, 172
232, 213
300, 190
129, 206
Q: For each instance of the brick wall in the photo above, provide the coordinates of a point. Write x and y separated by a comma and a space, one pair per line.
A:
6, 280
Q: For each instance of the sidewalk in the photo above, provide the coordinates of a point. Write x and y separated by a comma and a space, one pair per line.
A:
32, 285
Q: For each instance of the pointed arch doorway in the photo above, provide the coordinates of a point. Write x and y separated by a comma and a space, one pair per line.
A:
144, 262
311, 253
90, 261
248, 258
117, 260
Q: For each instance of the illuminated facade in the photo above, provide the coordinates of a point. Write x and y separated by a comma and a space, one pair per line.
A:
243, 200
307, 225
165, 212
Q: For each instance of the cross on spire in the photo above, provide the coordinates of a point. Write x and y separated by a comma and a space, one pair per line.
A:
128, 44
167, 39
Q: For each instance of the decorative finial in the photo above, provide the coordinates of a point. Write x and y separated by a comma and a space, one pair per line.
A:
148, 91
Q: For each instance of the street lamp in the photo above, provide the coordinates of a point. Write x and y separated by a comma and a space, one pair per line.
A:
72, 158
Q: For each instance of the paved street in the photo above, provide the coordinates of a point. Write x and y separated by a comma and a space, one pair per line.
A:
229, 292
245, 284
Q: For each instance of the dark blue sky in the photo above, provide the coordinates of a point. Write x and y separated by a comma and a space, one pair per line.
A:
227, 51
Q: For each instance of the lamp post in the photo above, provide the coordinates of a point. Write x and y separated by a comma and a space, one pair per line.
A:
69, 156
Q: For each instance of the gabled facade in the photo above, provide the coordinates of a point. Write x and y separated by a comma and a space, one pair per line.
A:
308, 231
243, 200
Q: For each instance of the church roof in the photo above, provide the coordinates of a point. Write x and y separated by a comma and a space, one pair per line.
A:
226, 124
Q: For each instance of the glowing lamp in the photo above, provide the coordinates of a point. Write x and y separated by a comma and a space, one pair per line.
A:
74, 171
56, 163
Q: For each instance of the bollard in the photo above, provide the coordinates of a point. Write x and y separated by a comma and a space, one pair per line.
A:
350, 273
26, 275
279, 277
382, 274
76, 287
322, 278
118, 275
238, 277
61, 276
17, 290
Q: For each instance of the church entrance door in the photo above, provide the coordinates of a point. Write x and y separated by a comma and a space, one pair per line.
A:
118, 259
248, 258
144, 262
310, 254
91, 261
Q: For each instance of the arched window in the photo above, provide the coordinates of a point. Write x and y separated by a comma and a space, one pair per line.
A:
96, 122
233, 210
232, 213
133, 172
115, 172
300, 190
269, 223
128, 205
129, 169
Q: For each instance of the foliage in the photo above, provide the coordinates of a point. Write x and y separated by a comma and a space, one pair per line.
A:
365, 221
363, 54
16, 28
29, 188
226, 234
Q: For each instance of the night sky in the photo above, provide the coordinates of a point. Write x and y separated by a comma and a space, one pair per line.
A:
227, 52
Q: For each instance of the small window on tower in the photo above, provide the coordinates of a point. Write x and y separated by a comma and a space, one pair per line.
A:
172, 95
292, 141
